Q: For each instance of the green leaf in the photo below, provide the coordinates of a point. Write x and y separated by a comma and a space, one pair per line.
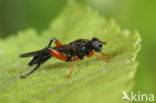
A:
92, 81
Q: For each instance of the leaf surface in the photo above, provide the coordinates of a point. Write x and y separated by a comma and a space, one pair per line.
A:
92, 81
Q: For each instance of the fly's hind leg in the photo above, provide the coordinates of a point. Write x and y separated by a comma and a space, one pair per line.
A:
38, 65
58, 43
38, 60
58, 55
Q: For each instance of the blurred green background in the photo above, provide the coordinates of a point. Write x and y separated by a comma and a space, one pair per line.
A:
138, 15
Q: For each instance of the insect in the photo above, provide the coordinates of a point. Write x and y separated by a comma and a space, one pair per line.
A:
70, 52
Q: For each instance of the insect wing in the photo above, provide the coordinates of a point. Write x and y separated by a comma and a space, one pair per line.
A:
35, 53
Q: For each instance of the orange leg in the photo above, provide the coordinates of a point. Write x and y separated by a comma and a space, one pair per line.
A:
58, 55
72, 65
57, 43
71, 68
91, 54
75, 58
105, 55
101, 58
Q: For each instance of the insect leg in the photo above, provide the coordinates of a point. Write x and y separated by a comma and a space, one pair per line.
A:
71, 68
91, 54
76, 58
38, 65
73, 58
101, 58
58, 43
58, 55
105, 55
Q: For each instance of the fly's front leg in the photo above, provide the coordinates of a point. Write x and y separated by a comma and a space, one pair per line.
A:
57, 43
101, 58
105, 55
92, 53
